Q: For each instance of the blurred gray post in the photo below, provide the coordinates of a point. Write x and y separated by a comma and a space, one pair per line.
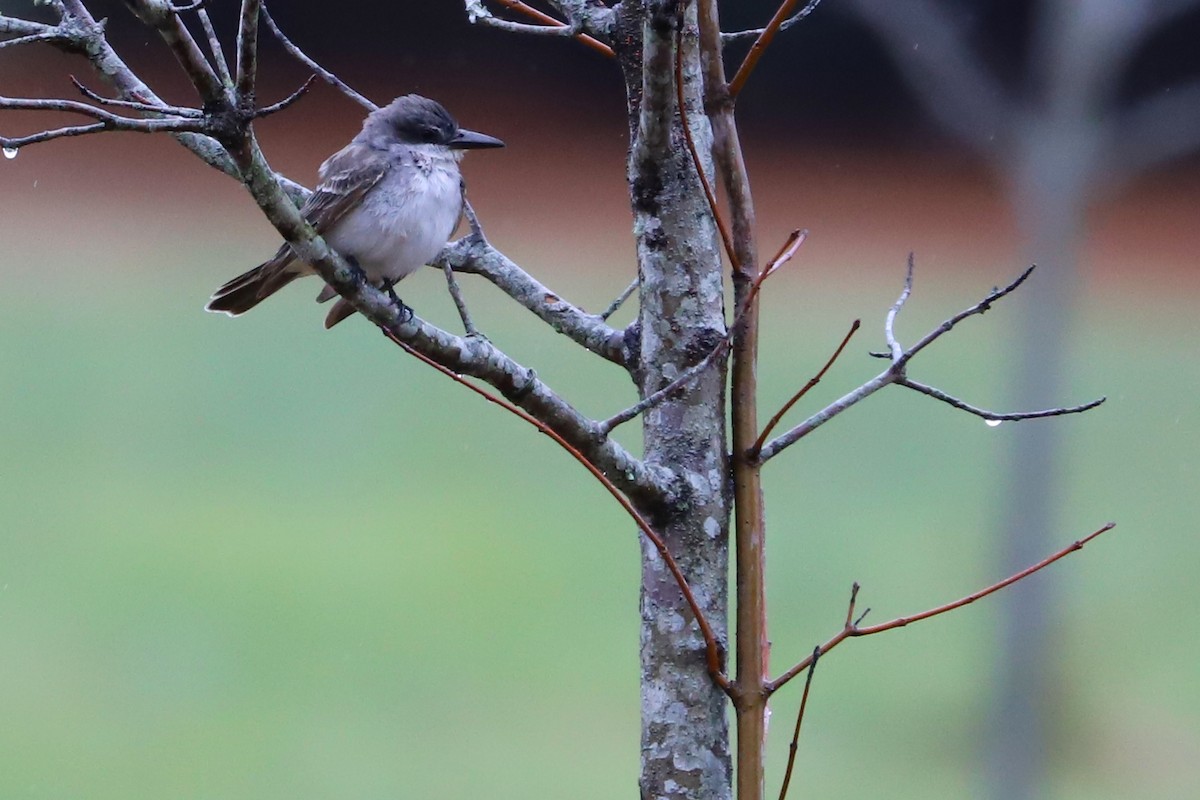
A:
1057, 144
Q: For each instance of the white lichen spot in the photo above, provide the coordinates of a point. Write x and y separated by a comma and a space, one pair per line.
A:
476, 10
10, 153
672, 622
712, 528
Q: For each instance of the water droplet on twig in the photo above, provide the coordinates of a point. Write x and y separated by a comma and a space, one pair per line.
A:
10, 153
993, 423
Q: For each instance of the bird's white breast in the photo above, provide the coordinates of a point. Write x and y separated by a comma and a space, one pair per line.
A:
407, 218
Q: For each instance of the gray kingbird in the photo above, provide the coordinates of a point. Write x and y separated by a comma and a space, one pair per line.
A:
387, 202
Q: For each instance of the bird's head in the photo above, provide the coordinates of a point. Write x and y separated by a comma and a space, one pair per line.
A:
416, 120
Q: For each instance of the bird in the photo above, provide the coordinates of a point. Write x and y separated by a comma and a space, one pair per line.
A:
387, 202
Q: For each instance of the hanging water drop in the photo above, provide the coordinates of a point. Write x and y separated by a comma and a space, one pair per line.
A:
10, 153
993, 423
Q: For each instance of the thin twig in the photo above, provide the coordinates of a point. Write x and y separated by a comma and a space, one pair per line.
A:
247, 51
47, 36
713, 651
287, 101
616, 304
852, 630
151, 108
993, 416
795, 239
459, 302
196, 6
981, 307
794, 746
214, 46
764, 40
560, 31
547, 20
737, 36
889, 323
813, 381
326, 75
897, 372
107, 121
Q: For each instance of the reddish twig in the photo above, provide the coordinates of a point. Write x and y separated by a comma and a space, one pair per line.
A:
794, 746
546, 19
813, 381
713, 650
852, 629
762, 42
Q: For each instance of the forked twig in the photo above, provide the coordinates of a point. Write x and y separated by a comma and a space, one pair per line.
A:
813, 381
897, 372
714, 657
852, 629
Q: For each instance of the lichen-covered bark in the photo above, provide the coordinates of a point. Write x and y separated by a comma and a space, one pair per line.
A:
685, 740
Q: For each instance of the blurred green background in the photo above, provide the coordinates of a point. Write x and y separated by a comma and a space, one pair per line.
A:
253, 559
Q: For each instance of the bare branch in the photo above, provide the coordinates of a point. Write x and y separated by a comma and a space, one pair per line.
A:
852, 630
326, 75
897, 373
474, 255
107, 121
765, 37
616, 304
51, 35
595, 20
196, 6
287, 101
737, 36
993, 416
247, 51
562, 31
714, 654
152, 108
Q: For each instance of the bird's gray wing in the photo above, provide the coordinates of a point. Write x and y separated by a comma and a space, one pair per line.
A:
346, 177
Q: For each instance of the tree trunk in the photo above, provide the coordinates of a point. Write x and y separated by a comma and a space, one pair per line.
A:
685, 739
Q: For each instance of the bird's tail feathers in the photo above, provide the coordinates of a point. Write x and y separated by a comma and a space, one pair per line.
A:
247, 290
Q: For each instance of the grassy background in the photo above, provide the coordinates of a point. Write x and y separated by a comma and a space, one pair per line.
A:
252, 559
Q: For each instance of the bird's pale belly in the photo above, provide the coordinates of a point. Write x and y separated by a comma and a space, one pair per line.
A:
404, 232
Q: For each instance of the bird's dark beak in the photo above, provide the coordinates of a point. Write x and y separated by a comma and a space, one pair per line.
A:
470, 140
